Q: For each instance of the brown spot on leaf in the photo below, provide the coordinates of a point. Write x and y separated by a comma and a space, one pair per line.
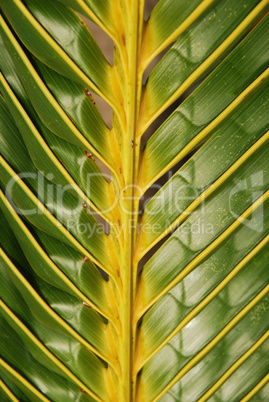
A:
89, 155
89, 95
85, 304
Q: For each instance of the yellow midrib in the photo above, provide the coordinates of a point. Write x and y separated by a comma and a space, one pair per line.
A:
128, 51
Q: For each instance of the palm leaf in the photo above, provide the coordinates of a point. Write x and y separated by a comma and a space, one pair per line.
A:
130, 272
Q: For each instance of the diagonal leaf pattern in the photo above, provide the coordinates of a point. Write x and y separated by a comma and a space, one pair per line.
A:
118, 284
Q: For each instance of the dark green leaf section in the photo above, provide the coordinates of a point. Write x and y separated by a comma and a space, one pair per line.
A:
72, 214
246, 62
236, 135
38, 154
38, 369
72, 4
9, 131
18, 389
64, 31
85, 169
261, 394
69, 113
70, 209
78, 161
32, 249
191, 49
78, 105
23, 301
185, 345
80, 270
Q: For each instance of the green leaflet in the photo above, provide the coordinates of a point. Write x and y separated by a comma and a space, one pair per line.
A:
235, 384
30, 242
70, 96
18, 386
173, 357
79, 106
218, 213
99, 12
39, 365
64, 211
82, 167
53, 116
82, 273
50, 331
165, 19
228, 285
103, 11
188, 53
65, 50
225, 153
181, 130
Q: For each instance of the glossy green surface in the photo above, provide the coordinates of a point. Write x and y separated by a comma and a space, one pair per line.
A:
95, 10
235, 137
189, 293
215, 216
51, 332
66, 32
191, 49
237, 386
39, 367
80, 271
180, 350
73, 159
243, 65
52, 115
